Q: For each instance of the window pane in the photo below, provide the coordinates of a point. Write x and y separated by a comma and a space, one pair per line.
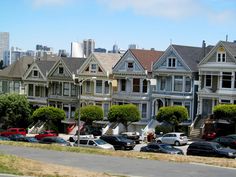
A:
106, 91
37, 91
208, 81
66, 89
178, 83
106, 109
73, 90
187, 84
163, 83
99, 86
31, 90
123, 84
88, 86
145, 86
226, 80
136, 85
144, 110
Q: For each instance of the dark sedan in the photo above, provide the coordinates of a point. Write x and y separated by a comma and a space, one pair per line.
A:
28, 139
15, 137
54, 140
226, 141
161, 148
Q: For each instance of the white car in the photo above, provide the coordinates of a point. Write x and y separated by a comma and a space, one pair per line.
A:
95, 143
175, 138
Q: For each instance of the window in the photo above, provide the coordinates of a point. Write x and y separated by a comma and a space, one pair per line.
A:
66, 89
178, 83
31, 90
123, 85
35, 73
145, 85
106, 90
187, 106
163, 83
130, 65
88, 86
144, 110
225, 101
177, 103
187, 84
235, 80
93, 68
0, 86
221, 57
226, 80
105, 109
37, 91
61, 70
136, 85
171, 62
208, 80
17, 87
73, 89
98, 86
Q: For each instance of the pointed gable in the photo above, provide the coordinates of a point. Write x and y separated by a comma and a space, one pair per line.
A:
146, 57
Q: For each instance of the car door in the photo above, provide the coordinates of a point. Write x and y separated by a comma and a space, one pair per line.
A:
166, 138
153, 148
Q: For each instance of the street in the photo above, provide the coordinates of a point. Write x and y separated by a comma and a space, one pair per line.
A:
119, 165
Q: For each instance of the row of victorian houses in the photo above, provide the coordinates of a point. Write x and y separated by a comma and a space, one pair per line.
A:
195, 77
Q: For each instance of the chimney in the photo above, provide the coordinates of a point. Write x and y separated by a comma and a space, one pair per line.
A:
204, 48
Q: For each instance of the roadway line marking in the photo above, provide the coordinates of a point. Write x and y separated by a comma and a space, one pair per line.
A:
202, 164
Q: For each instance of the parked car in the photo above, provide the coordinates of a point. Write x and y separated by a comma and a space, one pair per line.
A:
3, 138
54, 140
209, 135
175, 138
210, 149
119, 142
95, 143
132, 136
28, 139
15, 137
161, 148
13, 131
46, 133
226, 141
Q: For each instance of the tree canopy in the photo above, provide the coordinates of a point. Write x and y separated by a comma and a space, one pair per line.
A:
14, 110
124, 114
90, 113
225, 111
172, 114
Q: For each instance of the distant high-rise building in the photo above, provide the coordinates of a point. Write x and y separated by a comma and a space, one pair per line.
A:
89, 46
115, 48
100, 50
133, 46
62, 53
42, 51
77, 50
4, 43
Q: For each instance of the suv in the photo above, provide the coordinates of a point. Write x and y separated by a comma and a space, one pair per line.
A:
13, 131
210, 149
174, 138
119, 142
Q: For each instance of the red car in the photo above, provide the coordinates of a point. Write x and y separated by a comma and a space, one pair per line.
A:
13, 131
46, 133
209, 135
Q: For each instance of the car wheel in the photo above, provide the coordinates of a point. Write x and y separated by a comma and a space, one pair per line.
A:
158, 141
122, 148
177, 143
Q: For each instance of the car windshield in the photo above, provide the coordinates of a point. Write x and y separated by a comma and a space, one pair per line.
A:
166, 146
100, 142
32, 139
121, 138
218, 146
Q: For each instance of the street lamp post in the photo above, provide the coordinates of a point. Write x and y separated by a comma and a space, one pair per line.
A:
79, 82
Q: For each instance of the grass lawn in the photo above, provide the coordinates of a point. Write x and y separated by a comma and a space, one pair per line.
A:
223, 162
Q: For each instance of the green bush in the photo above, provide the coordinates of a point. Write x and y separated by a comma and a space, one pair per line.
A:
225, 111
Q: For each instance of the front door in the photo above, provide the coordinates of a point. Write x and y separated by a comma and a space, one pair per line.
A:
206, 107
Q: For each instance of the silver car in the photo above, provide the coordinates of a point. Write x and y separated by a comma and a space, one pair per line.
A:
175, 138
95, 143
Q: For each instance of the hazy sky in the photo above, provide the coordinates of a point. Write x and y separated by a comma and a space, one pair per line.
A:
148, 23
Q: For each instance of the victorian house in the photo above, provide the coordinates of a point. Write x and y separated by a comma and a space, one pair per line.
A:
217, 79
133, 73
176, 76
62, 91
95, 79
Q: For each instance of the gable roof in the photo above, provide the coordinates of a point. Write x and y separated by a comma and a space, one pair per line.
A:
231, 46
107, 60
146, 57
45, 65
18, 68
73, 63
191, 55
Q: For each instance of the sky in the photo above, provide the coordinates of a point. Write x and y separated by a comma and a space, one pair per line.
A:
147, 23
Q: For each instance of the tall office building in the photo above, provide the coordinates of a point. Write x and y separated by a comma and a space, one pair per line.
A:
133, 46
4, 43
115, 48
89, 46
77, 50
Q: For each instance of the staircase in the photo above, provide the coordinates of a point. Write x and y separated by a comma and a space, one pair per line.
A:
111, 127
37, 127
196, 128
150, 127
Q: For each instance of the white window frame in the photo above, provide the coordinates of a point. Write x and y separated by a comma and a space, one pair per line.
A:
222, 81
34, 73
172, 61
88, 86
175, 79
60, 68
92, 69
221, 57
96, 87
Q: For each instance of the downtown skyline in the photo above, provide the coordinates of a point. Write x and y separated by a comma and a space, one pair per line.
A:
149, 24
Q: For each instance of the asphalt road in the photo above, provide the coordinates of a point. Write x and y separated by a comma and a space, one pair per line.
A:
119, 165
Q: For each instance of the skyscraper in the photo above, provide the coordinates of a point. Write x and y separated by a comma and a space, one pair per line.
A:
77, 50
4, 43
89, 46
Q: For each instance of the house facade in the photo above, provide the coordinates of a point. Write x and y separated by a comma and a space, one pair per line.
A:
176, 78
217, 77
133, 75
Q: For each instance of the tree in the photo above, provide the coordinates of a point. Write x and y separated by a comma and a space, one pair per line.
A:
90, 113
225, 111
14, 110
173, 115
124, 114
51, 115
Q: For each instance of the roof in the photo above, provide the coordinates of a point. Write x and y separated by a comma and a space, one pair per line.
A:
231, 46
45, 65
146, 57
73, 63
18, 68
191, 55
107, 60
